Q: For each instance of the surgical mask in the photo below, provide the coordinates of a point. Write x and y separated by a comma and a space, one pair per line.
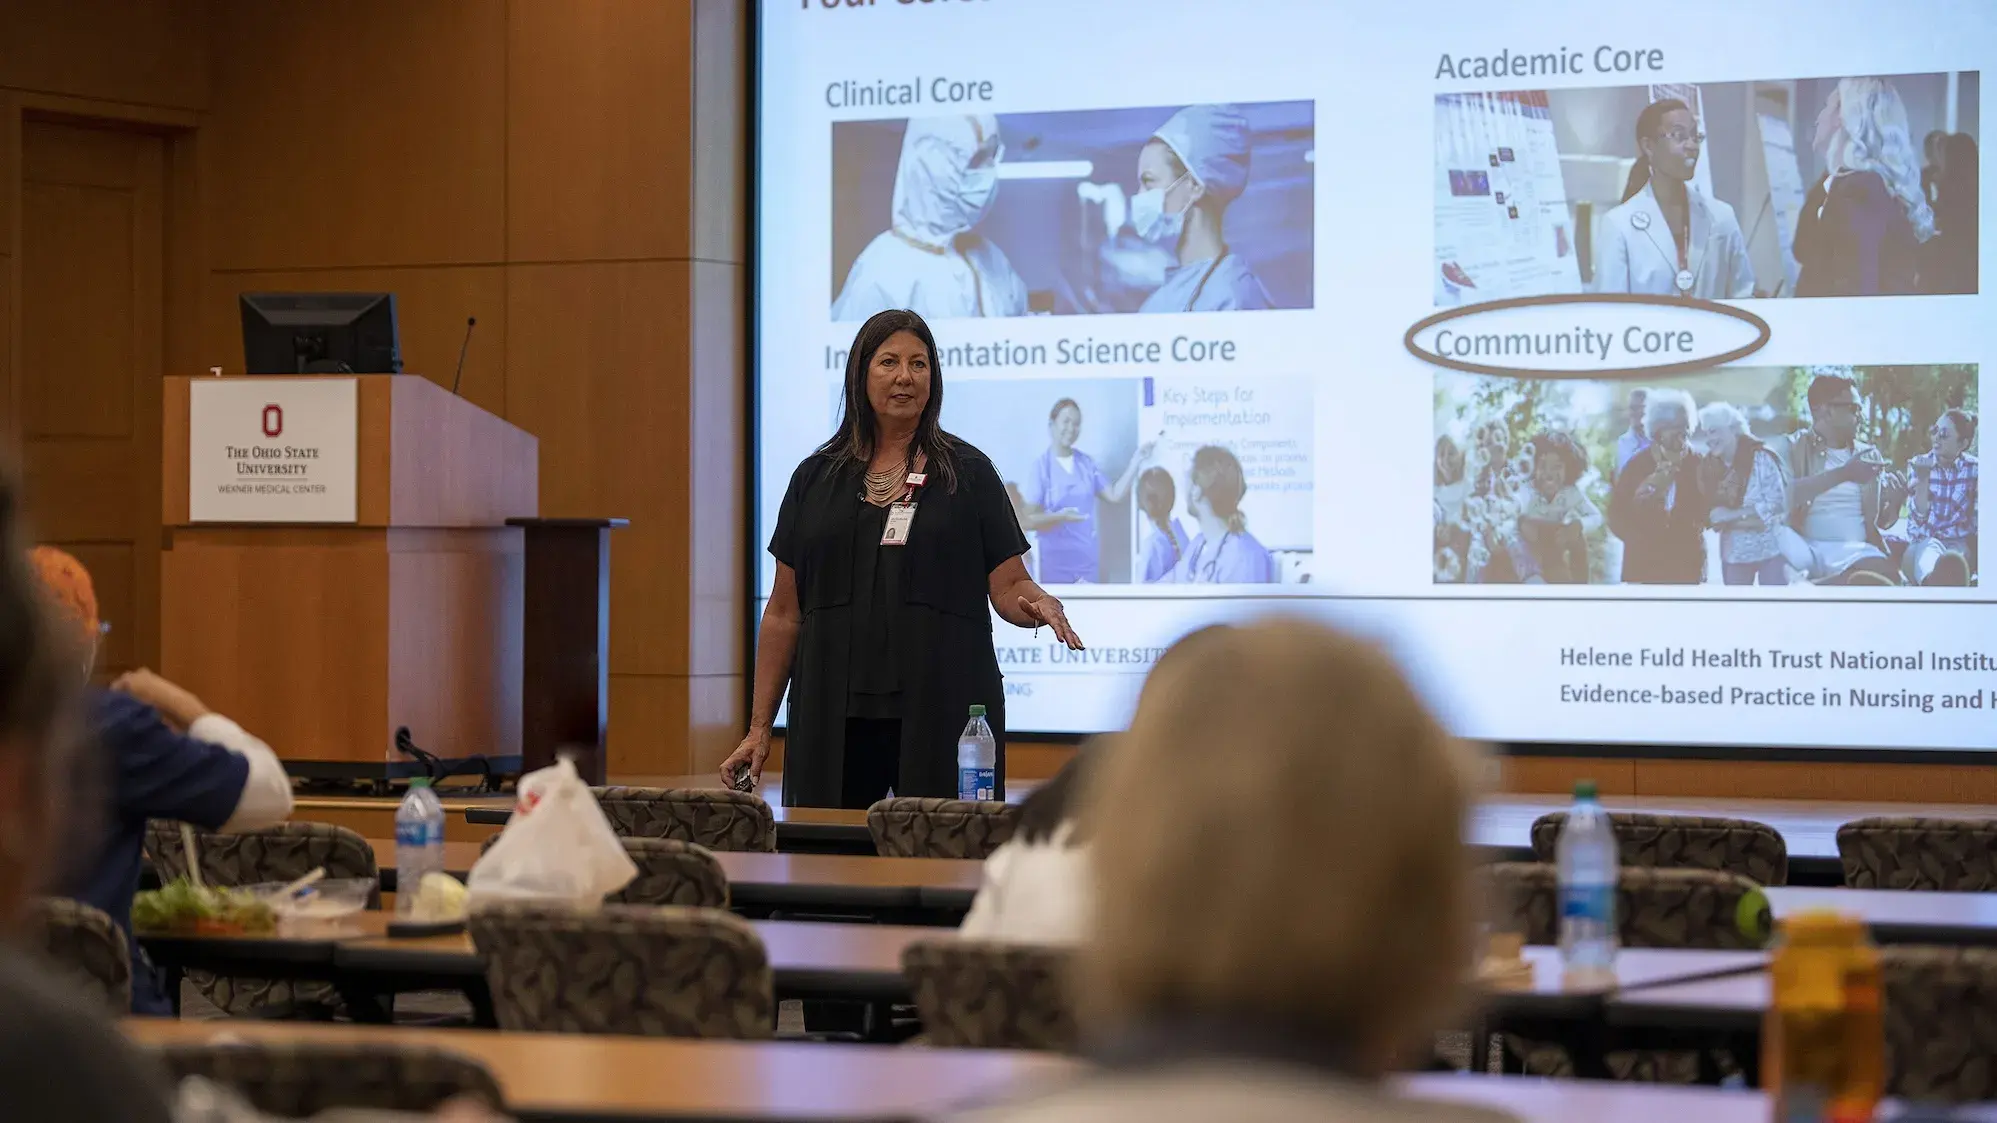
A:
1148, 217
979, 189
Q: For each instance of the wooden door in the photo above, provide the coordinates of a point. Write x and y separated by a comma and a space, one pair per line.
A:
88, 393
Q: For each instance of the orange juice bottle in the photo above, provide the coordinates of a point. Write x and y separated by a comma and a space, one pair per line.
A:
1824, 1044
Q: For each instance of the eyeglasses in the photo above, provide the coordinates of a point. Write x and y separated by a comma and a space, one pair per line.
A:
1679, 136
1848, 405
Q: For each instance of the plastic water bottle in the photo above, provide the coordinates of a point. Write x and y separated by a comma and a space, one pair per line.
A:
977, 759
419, 841
1588, 862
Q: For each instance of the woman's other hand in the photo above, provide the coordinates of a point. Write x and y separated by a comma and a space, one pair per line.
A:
175, 703
753, 751
1047, 610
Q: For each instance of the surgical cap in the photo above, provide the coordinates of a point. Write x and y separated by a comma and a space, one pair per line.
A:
1212, 142
937, 192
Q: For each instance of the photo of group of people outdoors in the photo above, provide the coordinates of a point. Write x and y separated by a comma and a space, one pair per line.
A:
1103, 503
1853, 186
1768, 476
1198, 208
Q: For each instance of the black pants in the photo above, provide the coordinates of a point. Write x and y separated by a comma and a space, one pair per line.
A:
872, 763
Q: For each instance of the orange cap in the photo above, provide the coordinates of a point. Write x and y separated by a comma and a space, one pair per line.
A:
69, 588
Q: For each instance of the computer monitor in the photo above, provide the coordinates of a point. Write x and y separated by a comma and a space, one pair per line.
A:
320, 333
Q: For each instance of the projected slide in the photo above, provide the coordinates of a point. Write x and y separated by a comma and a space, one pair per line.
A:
1474, 328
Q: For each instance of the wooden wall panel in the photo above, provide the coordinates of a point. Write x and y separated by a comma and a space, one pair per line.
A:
597, 138
648, 719
115, 574
1909, 783
596, 363
1558, 774
357, 132
141, 52
430, 305
81, 241
10, 408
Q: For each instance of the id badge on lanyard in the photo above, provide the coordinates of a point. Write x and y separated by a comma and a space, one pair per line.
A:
901, 514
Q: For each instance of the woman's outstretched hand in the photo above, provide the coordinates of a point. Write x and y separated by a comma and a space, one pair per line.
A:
1047, 610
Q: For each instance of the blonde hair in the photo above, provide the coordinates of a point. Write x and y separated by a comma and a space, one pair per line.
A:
1873, 136
1279, 840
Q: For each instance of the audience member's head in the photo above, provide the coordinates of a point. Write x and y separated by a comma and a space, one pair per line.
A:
72, 596
35, 735
1283, 848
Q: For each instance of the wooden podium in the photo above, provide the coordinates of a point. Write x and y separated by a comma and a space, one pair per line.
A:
326, 638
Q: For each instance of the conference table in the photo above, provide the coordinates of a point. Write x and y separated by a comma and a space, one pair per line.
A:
573, 1077
761, 882
938, 889
810, 960
1501, 825
858, 963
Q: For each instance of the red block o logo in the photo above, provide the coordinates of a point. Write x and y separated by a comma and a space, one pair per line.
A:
273, 421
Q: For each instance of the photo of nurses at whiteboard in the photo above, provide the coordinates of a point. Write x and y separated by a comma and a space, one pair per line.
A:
1853, 186
1751, 476
1200, 208
1103, 504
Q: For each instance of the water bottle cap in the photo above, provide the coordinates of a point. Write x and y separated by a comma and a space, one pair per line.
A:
419, 781
1584, 789
977, 711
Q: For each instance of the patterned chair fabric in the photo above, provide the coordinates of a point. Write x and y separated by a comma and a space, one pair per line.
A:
1941, 1037
1655, 908
908, 827
1943, 855
670, 872
84, 943
657, 972
1694, 842
977, 994
284, 852
712, 817
296, 1080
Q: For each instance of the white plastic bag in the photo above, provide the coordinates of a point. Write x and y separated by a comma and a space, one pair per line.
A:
556, 847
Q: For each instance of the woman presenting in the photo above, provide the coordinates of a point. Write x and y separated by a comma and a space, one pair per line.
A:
891, 540
1061, 500
1666, 238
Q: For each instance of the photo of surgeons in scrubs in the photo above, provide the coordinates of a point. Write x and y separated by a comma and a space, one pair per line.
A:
1853, 186
1200, 208
1827, 475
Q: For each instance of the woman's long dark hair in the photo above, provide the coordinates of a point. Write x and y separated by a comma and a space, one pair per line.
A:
1155, 495
1647, 124
853, 444
1220, 479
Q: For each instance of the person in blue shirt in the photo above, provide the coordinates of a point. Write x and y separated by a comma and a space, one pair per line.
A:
1187, 174
1167, 541
1061, 495
1632, 440
160, 754
1223, 553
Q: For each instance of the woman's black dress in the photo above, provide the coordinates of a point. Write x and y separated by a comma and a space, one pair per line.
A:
891, 633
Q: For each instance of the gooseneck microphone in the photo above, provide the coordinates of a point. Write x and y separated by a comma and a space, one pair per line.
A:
470, 323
